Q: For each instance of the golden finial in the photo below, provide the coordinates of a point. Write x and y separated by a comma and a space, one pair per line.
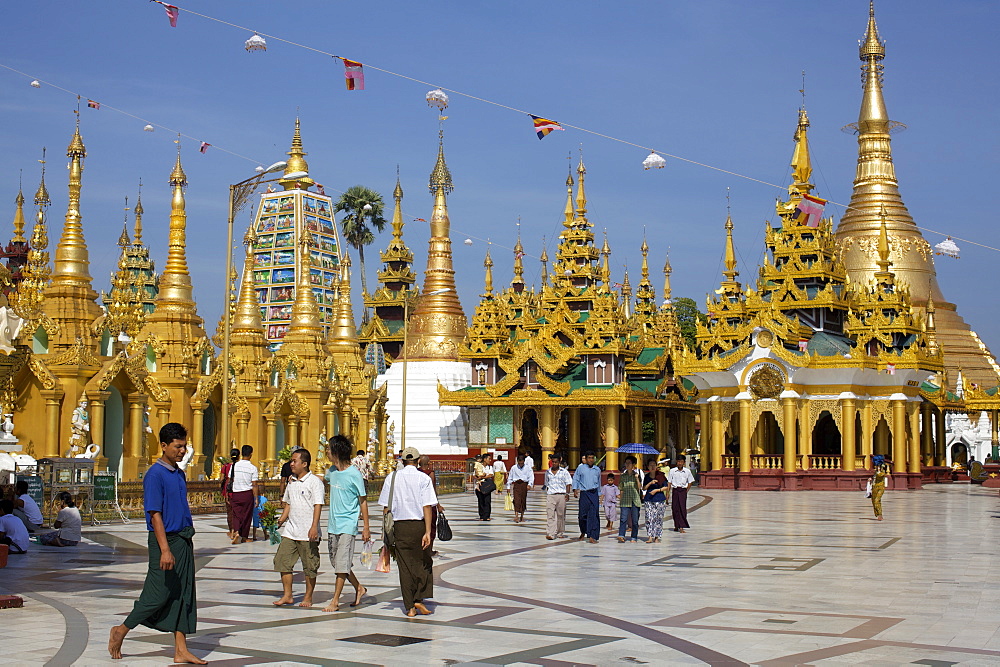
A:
644, 249
872, 47
42, 193
19, 215
488, 265
296, 169
175, 281
440, 180
606, 258
246, 315
545, 263
730, 260
581, 195
930, 327
137, 235
123, 240
626, 296
397, 213
667, 270
883, 241
568, 214
518, 259
801, 162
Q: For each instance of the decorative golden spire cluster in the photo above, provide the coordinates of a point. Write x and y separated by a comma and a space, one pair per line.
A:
134, 285
28, 297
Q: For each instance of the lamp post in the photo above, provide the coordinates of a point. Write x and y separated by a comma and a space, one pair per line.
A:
239, 195
406, 358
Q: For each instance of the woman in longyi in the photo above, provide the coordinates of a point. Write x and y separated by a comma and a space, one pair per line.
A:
880, 479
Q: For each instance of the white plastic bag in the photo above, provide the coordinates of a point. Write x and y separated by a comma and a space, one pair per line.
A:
868, 489
366, 554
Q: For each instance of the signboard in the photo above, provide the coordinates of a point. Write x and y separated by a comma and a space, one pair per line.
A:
104, 487
35, 487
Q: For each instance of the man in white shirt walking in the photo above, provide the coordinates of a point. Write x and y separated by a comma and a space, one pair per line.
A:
409, 495
678, 481
304, 498
519, 482
246, 488
557, 486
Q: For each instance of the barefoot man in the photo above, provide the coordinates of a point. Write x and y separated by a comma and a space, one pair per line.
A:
167, 601
348, 502
304, 498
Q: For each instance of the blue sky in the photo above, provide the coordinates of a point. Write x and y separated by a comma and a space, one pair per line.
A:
713, 81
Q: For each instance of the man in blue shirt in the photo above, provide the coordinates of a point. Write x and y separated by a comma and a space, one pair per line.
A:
586, 483
167, 601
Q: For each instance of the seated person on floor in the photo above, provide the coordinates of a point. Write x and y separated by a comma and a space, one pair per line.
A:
12, 531
68, 522
26, 509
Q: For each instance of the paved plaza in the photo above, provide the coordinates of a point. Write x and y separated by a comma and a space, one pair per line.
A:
761, 578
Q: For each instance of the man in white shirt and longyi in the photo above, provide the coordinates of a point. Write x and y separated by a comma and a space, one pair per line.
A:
557, 486
412, 499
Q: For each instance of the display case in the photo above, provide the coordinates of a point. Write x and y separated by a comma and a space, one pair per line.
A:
75, 476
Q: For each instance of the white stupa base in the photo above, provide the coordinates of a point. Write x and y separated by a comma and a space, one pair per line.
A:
960, 430
432, 428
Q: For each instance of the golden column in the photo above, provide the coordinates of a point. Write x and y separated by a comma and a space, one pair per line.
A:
848, 450
707, 446
292, 431
636, 414
899, 448
546, 423
994, 432
271, 437
130, 461
789, 455
913, 460
866, 433
97, 399
611, 418
718, 434
745, 435
660, 430
941, 458
574, 436
926, 434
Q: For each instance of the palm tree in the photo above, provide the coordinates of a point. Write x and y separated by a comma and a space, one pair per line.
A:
362, 206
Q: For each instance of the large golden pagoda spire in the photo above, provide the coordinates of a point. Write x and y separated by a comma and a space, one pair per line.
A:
438, 325
246, 318
801, 162
175, 281
72, 262
19, 218
875, 189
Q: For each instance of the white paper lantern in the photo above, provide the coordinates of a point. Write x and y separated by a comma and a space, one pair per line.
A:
36, 84
468, 241
653, 161
437, 98
256, 43
149, 128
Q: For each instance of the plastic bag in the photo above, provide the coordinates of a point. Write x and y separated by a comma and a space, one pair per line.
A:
508, 503
383, 560
868, 489
366, 554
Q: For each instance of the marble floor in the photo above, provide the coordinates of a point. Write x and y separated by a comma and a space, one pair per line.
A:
761, 578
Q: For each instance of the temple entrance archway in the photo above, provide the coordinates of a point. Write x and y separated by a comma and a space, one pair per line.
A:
529, 435
826, 436
960, 453
882, 436
767, 440
113, 447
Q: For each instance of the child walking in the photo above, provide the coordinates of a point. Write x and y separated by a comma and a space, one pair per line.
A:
609, 498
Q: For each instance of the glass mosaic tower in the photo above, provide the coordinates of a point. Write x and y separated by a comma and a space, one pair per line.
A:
282, 219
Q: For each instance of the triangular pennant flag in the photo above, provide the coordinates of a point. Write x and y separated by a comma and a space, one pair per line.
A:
354, 75
93, 105
543, 126
204, 147
172, 13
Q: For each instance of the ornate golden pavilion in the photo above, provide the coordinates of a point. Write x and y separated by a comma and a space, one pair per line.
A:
147, 360
571, 366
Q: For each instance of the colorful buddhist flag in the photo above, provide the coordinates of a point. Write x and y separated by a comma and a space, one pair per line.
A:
890, 369
543, 126
809, 211
204, 147
93, 105
320, 189
354, 75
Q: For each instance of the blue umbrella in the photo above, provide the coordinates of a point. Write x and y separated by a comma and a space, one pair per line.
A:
637, 448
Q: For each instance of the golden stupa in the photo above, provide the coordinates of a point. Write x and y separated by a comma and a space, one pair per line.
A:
875, 188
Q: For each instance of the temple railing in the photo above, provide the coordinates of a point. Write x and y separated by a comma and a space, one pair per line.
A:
824, 462
802, 462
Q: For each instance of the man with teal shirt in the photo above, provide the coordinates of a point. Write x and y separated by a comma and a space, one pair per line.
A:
348, 501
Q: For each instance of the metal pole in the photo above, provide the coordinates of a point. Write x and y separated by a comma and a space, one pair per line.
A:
226, 320
406, 329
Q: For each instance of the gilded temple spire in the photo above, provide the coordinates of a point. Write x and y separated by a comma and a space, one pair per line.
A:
344, 332
296, 173
175, 281
36, 271
247, 315
626, 296
730, 259
137, 234
438, 324
801, 162
488, 265
568, 213
930, 327
305, 310
19, 217
667, 270
581, 195
545, 264
518, 280
72, 262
